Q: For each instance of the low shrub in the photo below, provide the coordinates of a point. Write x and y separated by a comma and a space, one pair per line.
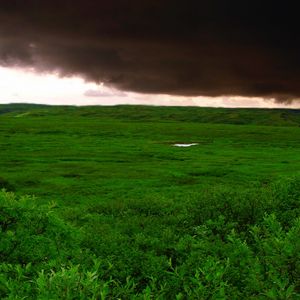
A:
226, 244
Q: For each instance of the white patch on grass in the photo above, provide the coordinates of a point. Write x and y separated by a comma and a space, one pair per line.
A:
185, 145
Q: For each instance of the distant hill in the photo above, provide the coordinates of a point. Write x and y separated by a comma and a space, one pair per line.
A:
241, 116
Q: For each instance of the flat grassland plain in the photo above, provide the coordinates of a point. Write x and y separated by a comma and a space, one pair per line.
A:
118, 212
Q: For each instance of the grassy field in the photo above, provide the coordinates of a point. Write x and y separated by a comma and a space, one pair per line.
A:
119, 212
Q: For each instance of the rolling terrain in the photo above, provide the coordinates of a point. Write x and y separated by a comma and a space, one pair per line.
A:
119, 212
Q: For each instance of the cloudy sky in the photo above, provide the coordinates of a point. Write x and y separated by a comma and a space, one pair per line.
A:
209, 53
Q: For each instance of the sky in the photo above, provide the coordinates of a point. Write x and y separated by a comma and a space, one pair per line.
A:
26, 86
200, 53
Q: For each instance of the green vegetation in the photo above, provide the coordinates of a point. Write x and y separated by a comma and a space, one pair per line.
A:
119, 213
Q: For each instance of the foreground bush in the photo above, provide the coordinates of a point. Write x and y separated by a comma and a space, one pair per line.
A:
226, 244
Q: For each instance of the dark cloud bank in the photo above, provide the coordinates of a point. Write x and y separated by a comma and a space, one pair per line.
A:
213, 48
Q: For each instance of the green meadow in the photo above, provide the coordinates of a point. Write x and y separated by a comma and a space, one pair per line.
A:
98, 203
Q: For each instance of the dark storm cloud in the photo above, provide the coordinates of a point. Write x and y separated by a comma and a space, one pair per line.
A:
212, 48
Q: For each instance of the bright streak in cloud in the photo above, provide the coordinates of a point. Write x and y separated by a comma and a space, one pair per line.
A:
25, 86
